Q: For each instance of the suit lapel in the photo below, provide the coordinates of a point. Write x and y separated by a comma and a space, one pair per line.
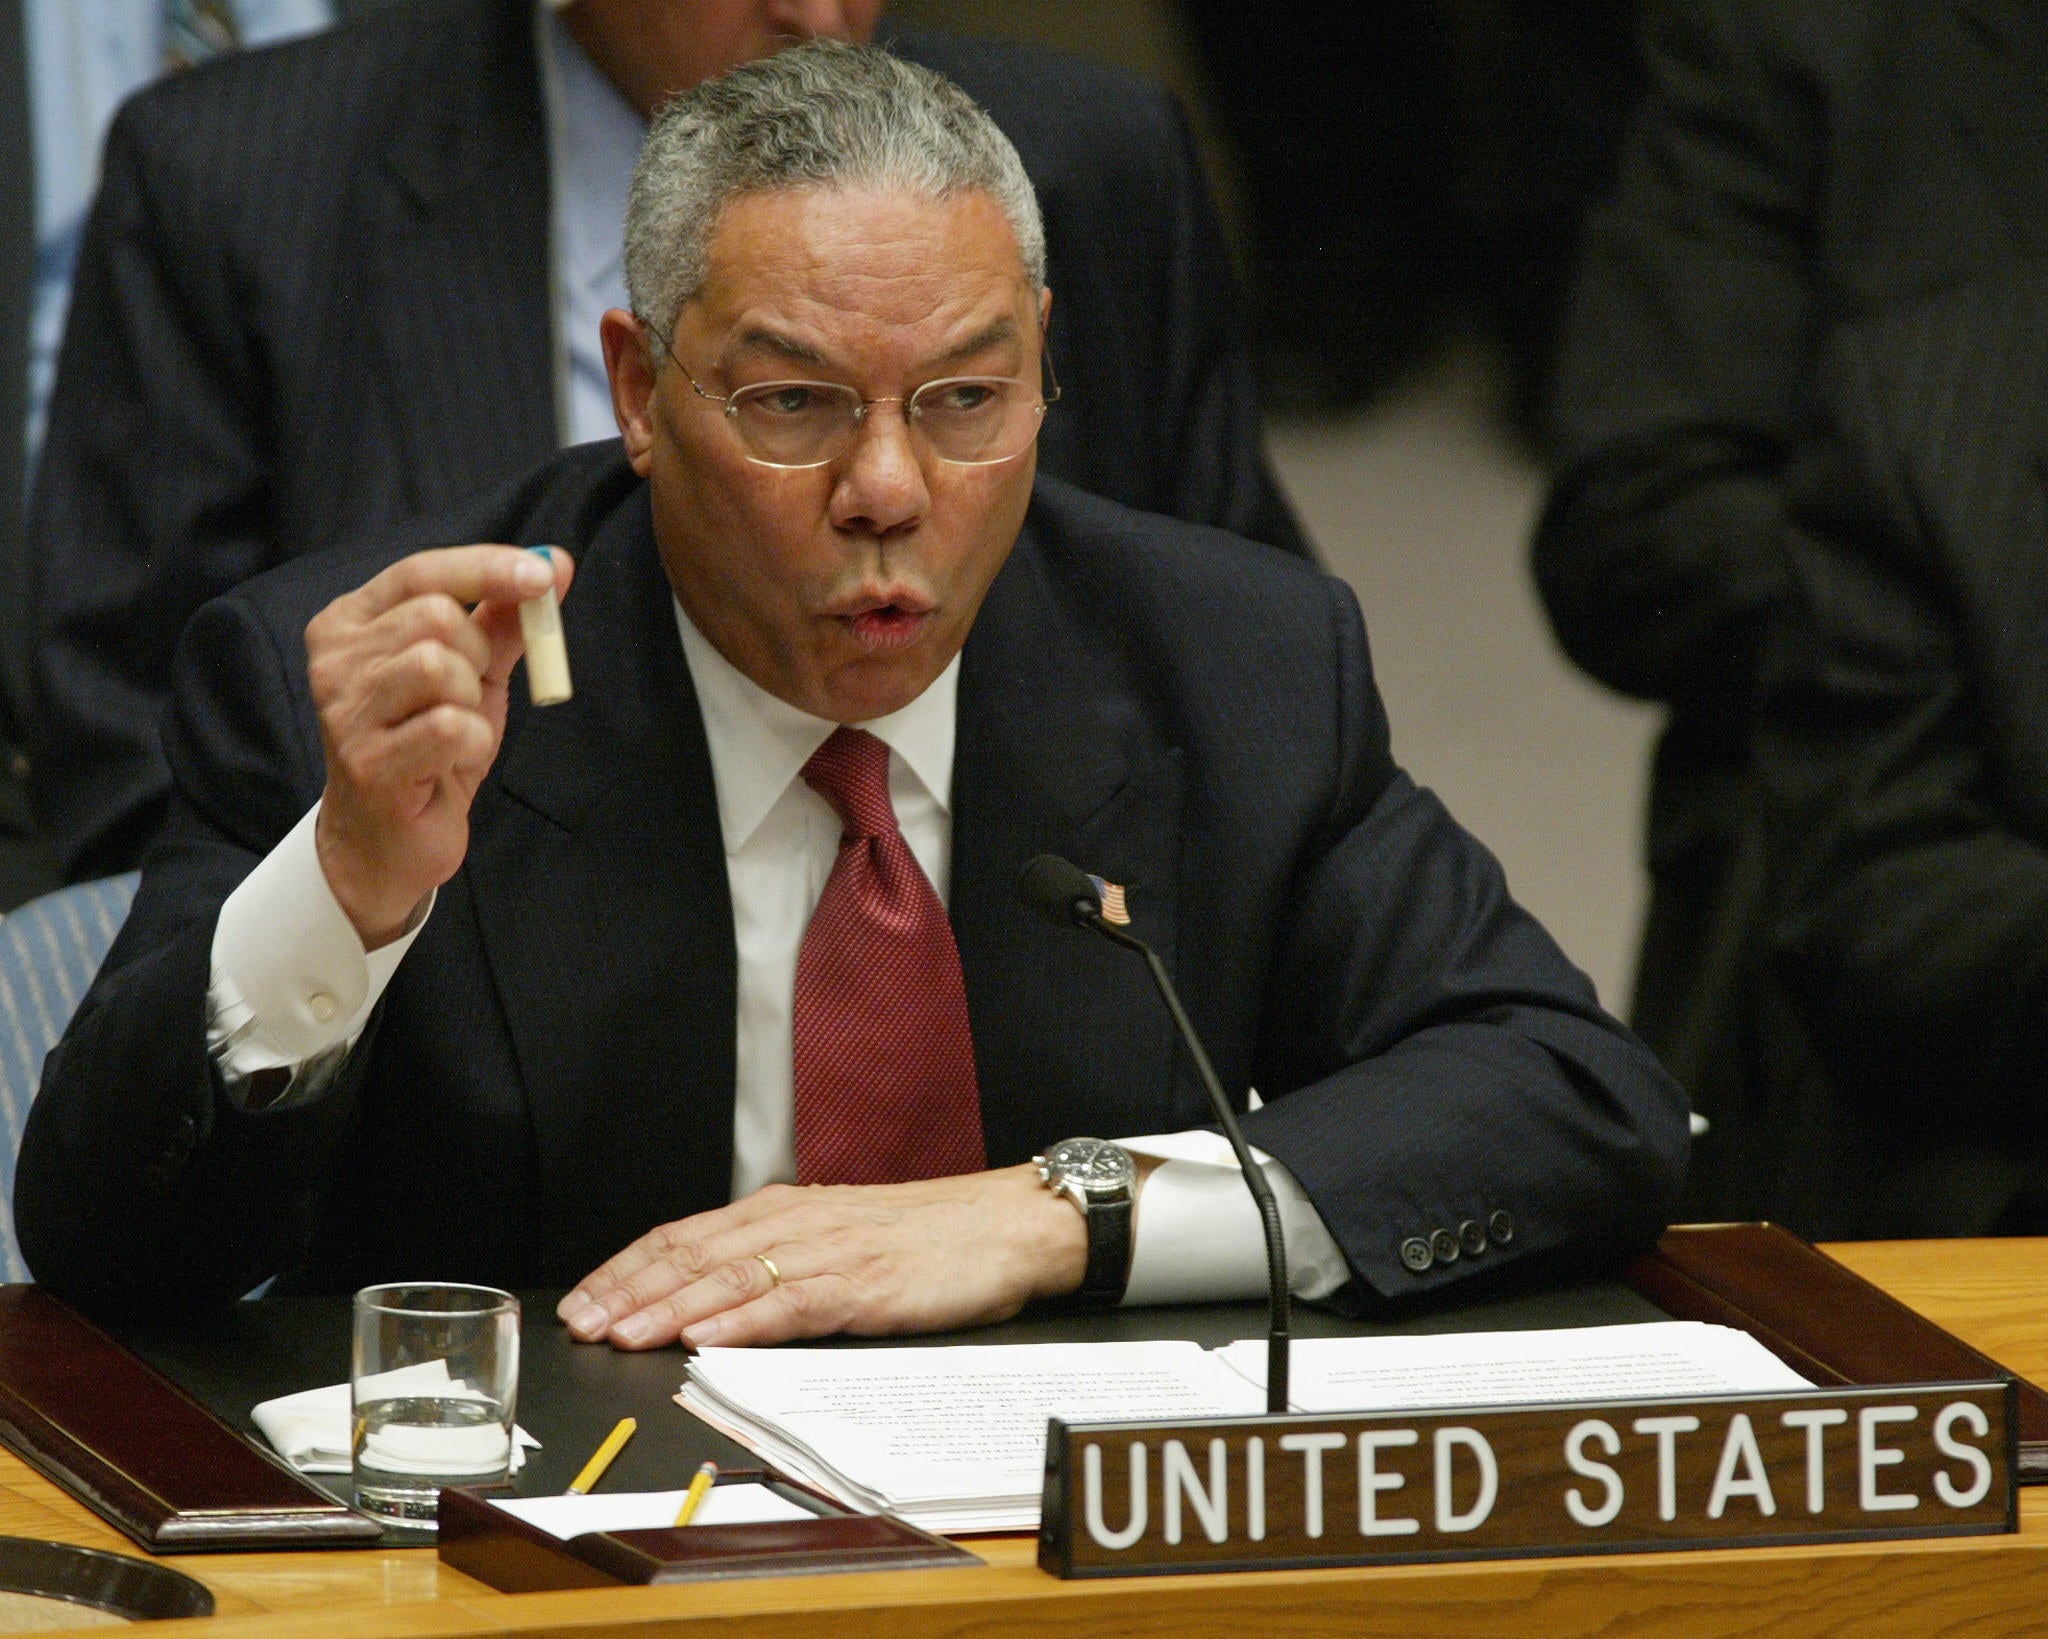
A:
459, 264
1056, 755
605, 915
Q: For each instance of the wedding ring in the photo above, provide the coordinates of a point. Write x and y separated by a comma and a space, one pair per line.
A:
774, 1274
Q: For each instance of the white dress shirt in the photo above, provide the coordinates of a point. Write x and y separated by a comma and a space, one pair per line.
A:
781, 839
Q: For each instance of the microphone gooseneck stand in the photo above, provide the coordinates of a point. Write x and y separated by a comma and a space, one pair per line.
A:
1066, 894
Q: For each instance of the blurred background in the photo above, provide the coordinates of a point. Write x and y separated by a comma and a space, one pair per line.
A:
1446, 148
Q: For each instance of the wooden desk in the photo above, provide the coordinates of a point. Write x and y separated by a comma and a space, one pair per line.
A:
1994, 1294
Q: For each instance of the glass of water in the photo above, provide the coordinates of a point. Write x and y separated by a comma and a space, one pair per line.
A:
434, 1387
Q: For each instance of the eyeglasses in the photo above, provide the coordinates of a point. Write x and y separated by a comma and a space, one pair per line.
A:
970, 421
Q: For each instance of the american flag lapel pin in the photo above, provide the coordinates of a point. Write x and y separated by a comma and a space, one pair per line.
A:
1114, 909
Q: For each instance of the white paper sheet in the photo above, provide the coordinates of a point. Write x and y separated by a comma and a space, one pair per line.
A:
740, 1504
1656, 1360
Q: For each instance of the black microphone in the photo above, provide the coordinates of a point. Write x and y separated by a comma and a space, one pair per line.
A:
1064, 893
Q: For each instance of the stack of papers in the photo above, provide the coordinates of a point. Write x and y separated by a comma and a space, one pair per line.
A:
950, 1439
953, 1439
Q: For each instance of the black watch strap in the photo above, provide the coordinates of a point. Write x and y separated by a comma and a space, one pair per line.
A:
1109, 1254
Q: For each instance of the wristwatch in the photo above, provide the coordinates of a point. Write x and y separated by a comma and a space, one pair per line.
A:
1101, 1179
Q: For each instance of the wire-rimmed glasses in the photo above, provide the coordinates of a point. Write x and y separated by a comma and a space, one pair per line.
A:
969, 421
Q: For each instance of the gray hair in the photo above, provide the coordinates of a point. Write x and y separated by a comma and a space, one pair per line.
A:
819, 115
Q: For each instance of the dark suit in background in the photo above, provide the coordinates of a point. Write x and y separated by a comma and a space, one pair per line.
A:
1798, 164
1905, 758
24, 871
313, 300
1190, 715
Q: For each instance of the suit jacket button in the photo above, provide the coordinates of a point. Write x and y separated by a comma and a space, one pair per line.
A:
1502, 1228
1415, 1254
1443, 1246
1472, 1236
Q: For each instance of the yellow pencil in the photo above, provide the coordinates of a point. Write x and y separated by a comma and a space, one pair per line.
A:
707, 1475
601, 1458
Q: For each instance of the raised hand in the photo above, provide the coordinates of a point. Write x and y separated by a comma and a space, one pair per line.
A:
409, 674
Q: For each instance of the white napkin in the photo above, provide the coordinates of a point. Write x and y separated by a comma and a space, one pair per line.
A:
310, 1429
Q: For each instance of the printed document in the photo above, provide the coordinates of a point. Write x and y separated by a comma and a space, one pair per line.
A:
953, 1438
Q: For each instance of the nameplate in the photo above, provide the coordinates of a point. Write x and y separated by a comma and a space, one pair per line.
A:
1626, 1476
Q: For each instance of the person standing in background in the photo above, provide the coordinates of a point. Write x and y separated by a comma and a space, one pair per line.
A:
1797, 165
65, 67
1902, 756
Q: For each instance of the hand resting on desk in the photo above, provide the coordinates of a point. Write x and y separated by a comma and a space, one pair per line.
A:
871, 1259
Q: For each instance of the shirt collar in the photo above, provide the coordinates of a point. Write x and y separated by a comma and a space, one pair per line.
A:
759, 743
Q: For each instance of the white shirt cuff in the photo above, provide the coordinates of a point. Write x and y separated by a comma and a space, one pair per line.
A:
290, 976
1197, 1237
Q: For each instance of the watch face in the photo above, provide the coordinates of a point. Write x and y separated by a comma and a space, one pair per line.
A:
1098, 1166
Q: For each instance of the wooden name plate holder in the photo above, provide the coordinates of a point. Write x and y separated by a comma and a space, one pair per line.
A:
1826, 1322
142, 1453
1722, 1471
505, 1552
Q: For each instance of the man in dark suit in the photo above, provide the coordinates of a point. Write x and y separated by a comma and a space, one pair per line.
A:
293, 250
1796, 165
565, 971
1904, 753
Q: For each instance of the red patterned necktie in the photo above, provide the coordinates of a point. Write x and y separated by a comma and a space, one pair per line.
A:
885, 1087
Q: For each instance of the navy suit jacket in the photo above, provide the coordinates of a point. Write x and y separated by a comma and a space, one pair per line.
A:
313, 300
550, 1073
